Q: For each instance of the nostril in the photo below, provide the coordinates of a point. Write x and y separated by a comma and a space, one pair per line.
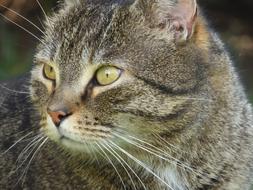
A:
58, 116
61, 117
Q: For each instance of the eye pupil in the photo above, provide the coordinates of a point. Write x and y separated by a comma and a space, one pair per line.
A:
107, 73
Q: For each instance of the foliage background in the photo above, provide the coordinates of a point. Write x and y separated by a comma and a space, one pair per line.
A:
232, 19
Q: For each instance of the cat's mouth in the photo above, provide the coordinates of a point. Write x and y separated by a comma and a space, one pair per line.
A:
79, 137
74, 144
64, 138
77, 145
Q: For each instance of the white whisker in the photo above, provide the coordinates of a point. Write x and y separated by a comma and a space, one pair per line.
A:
159, 151
28, 146
117, 156
31, 148
16, 143
112, 165
30, 22
21, 164
23, 28
171, 146
42, 24
155, 153
34, 154
29, 163
130, 177
44, 12
14, 91
141, 164
93, 153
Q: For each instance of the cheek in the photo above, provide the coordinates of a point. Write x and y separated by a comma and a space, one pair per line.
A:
40, 87
125, 123
108, 102
37, 75
39, 93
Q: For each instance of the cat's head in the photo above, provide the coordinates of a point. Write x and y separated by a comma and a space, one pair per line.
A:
117, 71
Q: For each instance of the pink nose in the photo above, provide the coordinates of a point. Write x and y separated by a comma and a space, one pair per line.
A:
58, 117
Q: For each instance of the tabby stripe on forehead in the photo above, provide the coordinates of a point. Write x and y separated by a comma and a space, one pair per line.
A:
152, 117
163, 88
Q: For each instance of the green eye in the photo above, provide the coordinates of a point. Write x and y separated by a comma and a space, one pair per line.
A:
107, 75
49, 72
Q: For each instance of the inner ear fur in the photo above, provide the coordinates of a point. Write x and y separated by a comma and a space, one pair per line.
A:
177, 16
183, 16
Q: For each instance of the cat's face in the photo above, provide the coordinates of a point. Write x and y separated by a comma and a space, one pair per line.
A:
110, 71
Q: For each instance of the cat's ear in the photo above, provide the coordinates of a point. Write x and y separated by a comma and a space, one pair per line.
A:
177, 16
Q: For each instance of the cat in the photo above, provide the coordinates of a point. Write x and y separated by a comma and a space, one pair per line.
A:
127, 94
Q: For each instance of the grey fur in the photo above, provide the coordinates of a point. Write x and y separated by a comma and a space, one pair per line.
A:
185, 94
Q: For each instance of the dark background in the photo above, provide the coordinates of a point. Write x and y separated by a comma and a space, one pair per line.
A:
232, 19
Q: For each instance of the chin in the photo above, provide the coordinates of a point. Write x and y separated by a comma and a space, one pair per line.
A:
77, 147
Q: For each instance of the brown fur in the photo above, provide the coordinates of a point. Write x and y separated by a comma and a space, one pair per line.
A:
178, 92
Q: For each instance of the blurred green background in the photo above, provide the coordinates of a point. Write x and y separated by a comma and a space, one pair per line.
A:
232, 19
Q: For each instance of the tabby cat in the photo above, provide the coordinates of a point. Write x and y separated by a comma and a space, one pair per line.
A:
127, 95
